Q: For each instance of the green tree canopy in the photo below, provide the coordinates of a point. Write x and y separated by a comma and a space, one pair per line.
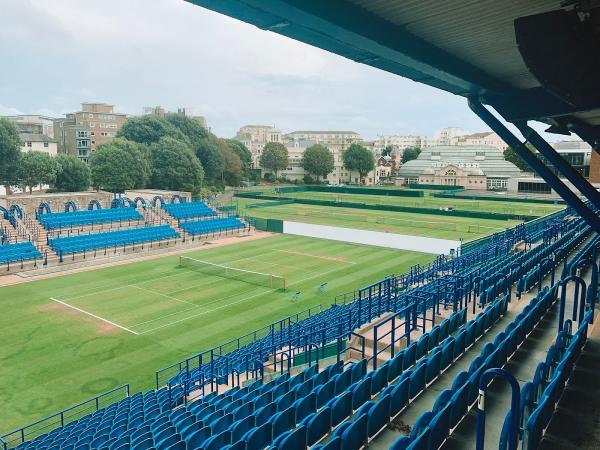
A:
148, 129
233, 170
387, 151
212, 159
243, 153
274, 157
37, 168
73, 175
318, 160
174, 166
189, 127
358, 158
511, 156
10, 149
119, 165
410, 153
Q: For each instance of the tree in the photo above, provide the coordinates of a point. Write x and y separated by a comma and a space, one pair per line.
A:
73, 175
233, 170
243, 153
410, 153
212, 159
174, 166
274, 157
511, 156
387, 151
36, 168
358, 158
188, 127
10, 149
148, 129
318, 160
119, 165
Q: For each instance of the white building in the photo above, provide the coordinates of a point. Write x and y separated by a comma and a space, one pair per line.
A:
485, 138
255, 137
449, 136
38, 143
399, 142
34, 123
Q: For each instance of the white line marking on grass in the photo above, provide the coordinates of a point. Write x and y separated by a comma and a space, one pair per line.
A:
162, 295
327, 258
94, 315
203, 313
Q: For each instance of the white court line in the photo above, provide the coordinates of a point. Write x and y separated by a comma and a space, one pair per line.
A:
203, 313
94, 315
162, 295
326, 258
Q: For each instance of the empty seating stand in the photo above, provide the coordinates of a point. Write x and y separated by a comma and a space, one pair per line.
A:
187, 210
20, 251
212, 225
52, 221
111, 239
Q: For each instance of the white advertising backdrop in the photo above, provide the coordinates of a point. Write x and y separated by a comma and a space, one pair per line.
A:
376, 238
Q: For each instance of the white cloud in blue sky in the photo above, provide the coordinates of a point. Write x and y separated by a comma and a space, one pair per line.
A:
134, 53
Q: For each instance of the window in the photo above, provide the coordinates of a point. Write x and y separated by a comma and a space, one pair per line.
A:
479, 153
435, 153
90, 116
83, 134
29, 144
534, 187
451, 172
92, 134
92, 124
45, 145
106, 117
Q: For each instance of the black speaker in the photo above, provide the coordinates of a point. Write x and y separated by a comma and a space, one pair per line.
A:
562, 50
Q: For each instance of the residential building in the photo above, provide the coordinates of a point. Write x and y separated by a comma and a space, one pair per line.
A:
399, 142
35, 142
255, 137
161, 112
34, 124
449, 136
471, 166
79, 133
483, 138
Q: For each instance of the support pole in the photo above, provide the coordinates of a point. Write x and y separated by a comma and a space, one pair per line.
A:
553, 181
561, 165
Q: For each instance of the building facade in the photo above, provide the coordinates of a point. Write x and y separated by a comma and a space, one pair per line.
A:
33, 142
485, 138
398, 142
472, 166
255, 137
79, 133
34, 124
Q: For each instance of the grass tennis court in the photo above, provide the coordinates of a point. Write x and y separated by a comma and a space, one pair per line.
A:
69, 338
416, 224
535, 209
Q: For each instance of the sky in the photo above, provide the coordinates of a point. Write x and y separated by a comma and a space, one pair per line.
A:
57, 54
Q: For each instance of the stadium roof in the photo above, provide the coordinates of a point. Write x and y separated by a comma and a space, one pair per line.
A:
488, 160
525, 58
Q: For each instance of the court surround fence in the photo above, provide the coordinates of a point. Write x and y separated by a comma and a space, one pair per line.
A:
395, 208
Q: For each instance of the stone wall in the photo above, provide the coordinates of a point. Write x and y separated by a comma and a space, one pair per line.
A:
30, 202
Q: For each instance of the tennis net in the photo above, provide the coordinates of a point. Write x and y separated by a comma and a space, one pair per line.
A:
219, 270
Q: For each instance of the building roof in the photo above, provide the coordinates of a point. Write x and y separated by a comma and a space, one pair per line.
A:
496, 51
30, 137
492, 164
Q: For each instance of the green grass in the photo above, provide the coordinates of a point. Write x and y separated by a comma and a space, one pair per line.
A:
53, 356
415, 224
535, 209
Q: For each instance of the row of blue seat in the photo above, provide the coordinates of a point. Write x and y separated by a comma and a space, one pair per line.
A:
432, 428
212, 225
88, 217
187, 210
20, 251
112, 238
539, 398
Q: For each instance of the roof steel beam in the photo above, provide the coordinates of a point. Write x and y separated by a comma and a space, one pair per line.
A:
553, 181
559, 162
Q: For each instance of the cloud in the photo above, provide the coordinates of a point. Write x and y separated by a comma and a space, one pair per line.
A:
135, 53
